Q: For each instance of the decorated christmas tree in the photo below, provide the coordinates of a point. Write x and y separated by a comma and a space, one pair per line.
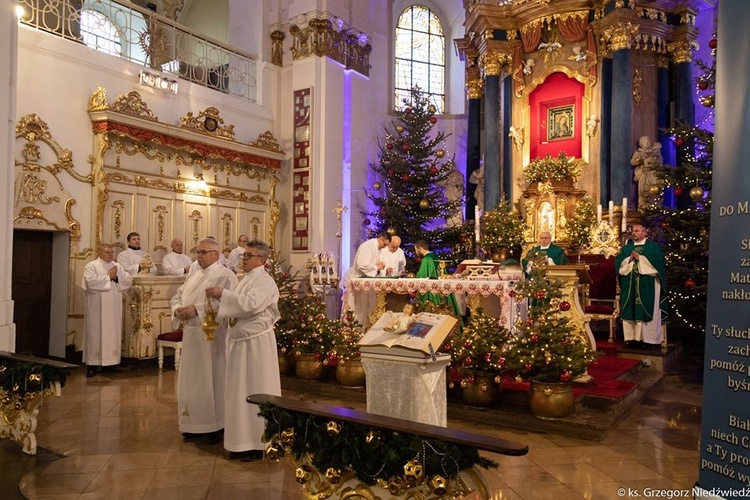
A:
289, 304
679, 219
415, 193
545, 346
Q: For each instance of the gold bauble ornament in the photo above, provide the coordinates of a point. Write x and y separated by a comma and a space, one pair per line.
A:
451, 385
333, 428
376, 185
374, 438
413, 472
396, 486
431, 108
399, 128
484, 387
654, 190
498, 379
274, 451
440, 153
439, 485
287, 437
411, 275
302, 474
6, 400
464, 384
391, 230
424, 203
35, 378
696, 193
333, 475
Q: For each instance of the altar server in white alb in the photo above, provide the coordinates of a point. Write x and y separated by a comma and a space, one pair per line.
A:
103, 281
131, 258
367, 263
393, 259
235, 256
176, 263
200, 385
252, 367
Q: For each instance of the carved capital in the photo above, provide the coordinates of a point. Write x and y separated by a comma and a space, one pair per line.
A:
682, 50
493, 62
620, 36
474, 89
277, 49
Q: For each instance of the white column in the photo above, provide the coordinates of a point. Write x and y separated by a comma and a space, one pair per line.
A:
8, 57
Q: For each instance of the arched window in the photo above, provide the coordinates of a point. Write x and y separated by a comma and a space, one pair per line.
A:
99, 33
420, 55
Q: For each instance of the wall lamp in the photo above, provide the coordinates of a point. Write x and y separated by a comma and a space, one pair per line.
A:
158, 81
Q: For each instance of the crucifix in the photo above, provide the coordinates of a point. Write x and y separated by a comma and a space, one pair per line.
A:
339, 209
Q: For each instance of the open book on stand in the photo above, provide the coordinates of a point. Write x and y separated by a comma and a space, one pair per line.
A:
422, 338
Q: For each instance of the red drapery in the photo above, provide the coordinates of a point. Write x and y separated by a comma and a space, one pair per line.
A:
572, 28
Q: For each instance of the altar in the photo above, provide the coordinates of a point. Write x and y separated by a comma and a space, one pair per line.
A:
473, 291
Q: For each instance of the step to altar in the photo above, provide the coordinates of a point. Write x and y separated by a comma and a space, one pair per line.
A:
593, 419
657, 360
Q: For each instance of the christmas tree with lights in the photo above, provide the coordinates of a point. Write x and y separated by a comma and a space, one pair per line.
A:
683, 226
545, 346
412, 193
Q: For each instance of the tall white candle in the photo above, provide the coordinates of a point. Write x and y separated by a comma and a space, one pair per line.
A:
599, 213
624, 214
611, 211
477, 215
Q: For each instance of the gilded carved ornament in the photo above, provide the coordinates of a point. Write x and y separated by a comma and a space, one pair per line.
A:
687, 18
277, 47
267, 141
682, 50
637, 84
208, 122
493, 61
654, 43
172, 8
340, 42
98, 99
474, 89
619, 37
132, 104
161, 212
74, 227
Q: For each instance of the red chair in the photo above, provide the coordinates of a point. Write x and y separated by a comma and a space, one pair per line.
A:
173, 340
602, 297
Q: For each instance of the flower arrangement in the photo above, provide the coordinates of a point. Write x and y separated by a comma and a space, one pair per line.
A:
501, 227
582, 222
479, 349
544, 346
559, 168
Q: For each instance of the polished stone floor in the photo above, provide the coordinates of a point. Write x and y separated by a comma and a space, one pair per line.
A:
115, 436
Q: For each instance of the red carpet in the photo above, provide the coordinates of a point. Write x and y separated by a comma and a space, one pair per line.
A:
604, 371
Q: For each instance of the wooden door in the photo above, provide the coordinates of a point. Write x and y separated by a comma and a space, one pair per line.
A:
32, 290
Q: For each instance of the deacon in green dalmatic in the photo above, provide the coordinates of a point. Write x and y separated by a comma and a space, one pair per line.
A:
428, 268
643, 290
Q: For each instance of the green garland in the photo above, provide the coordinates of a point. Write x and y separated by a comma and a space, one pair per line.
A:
21, 377
372, 454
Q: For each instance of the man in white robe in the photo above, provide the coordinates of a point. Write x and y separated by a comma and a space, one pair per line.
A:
393, 259
131, 258
200, 384
235, 256
103, 281
176, 263
367, 263
252, 366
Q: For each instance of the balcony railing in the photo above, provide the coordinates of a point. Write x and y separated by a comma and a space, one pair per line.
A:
146, 38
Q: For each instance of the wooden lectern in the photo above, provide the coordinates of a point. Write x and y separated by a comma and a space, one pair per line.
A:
572, 275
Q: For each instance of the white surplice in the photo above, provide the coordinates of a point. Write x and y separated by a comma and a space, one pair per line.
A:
235, 258
131, 260
252, 365
396, 261
173, 264
102, 324
200, 381
365, 264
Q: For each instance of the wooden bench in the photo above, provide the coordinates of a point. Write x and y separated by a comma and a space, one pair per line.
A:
457, 436
19, 408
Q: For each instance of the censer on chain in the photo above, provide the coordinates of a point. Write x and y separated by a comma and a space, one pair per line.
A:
209, 320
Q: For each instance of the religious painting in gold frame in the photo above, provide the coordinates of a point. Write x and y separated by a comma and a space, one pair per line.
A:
561, 123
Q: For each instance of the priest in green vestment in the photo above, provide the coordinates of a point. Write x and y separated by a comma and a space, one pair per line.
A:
428, 268
554, 255
643, 290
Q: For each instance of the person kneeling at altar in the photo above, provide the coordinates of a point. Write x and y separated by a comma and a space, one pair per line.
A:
401, 322
545, 252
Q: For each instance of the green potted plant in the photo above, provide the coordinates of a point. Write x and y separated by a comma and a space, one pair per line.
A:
314, 338
501, 231
478, 357
560, 168
349, 371
546, 349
